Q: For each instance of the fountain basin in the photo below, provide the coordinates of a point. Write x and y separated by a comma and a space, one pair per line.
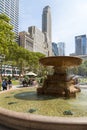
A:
26, 121
61, 61
23, 121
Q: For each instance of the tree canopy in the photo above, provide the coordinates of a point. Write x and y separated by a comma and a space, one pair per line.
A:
15, 54
6, 34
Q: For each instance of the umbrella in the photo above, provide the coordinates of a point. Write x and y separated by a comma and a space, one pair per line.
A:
31, 74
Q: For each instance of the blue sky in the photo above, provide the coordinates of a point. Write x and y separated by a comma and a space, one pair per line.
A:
69, 19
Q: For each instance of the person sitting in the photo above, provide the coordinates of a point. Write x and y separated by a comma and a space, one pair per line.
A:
24, 83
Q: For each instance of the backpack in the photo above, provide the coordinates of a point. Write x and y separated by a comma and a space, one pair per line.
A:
4, 84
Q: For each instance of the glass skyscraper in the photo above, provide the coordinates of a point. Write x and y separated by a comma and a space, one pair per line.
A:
61, 48
11, 9
55, 49
81, 45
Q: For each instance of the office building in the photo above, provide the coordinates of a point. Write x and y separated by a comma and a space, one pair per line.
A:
54, 49
61, 48
46, 21
11, 9
33, 40
81, 45
46, 27
25, 40
39, 39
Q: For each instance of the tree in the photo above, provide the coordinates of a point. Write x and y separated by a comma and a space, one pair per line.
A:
15, 54
27, 60
7, 35
34, 60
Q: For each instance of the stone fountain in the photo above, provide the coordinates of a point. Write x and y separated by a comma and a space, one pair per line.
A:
60, 83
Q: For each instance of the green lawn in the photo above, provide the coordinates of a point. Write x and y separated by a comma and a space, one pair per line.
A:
15, 82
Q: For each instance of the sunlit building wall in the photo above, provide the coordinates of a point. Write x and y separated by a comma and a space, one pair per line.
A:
26, 41
33, 40
39, 44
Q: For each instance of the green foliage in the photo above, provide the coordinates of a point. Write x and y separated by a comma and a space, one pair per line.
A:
15, 82
80, 70
14, 54
6, 34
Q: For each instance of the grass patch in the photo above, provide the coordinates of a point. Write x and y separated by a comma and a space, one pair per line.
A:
15, 82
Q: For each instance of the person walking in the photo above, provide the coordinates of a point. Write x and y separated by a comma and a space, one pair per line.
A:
9, 84
4, 84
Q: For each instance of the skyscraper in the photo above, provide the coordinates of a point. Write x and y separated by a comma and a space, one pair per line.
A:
11, 9
61, 48
46, 21
46, 27
81, 45
54, 49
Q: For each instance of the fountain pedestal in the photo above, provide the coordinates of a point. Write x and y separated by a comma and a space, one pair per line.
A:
59, 84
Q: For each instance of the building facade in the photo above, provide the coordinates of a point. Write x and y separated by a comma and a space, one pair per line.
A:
61, 48
38, 40
25, 40
33, 40
11, 9
81, 45
47, 27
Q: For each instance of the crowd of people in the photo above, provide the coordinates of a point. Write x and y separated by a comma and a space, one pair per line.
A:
6, 84
29, 82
